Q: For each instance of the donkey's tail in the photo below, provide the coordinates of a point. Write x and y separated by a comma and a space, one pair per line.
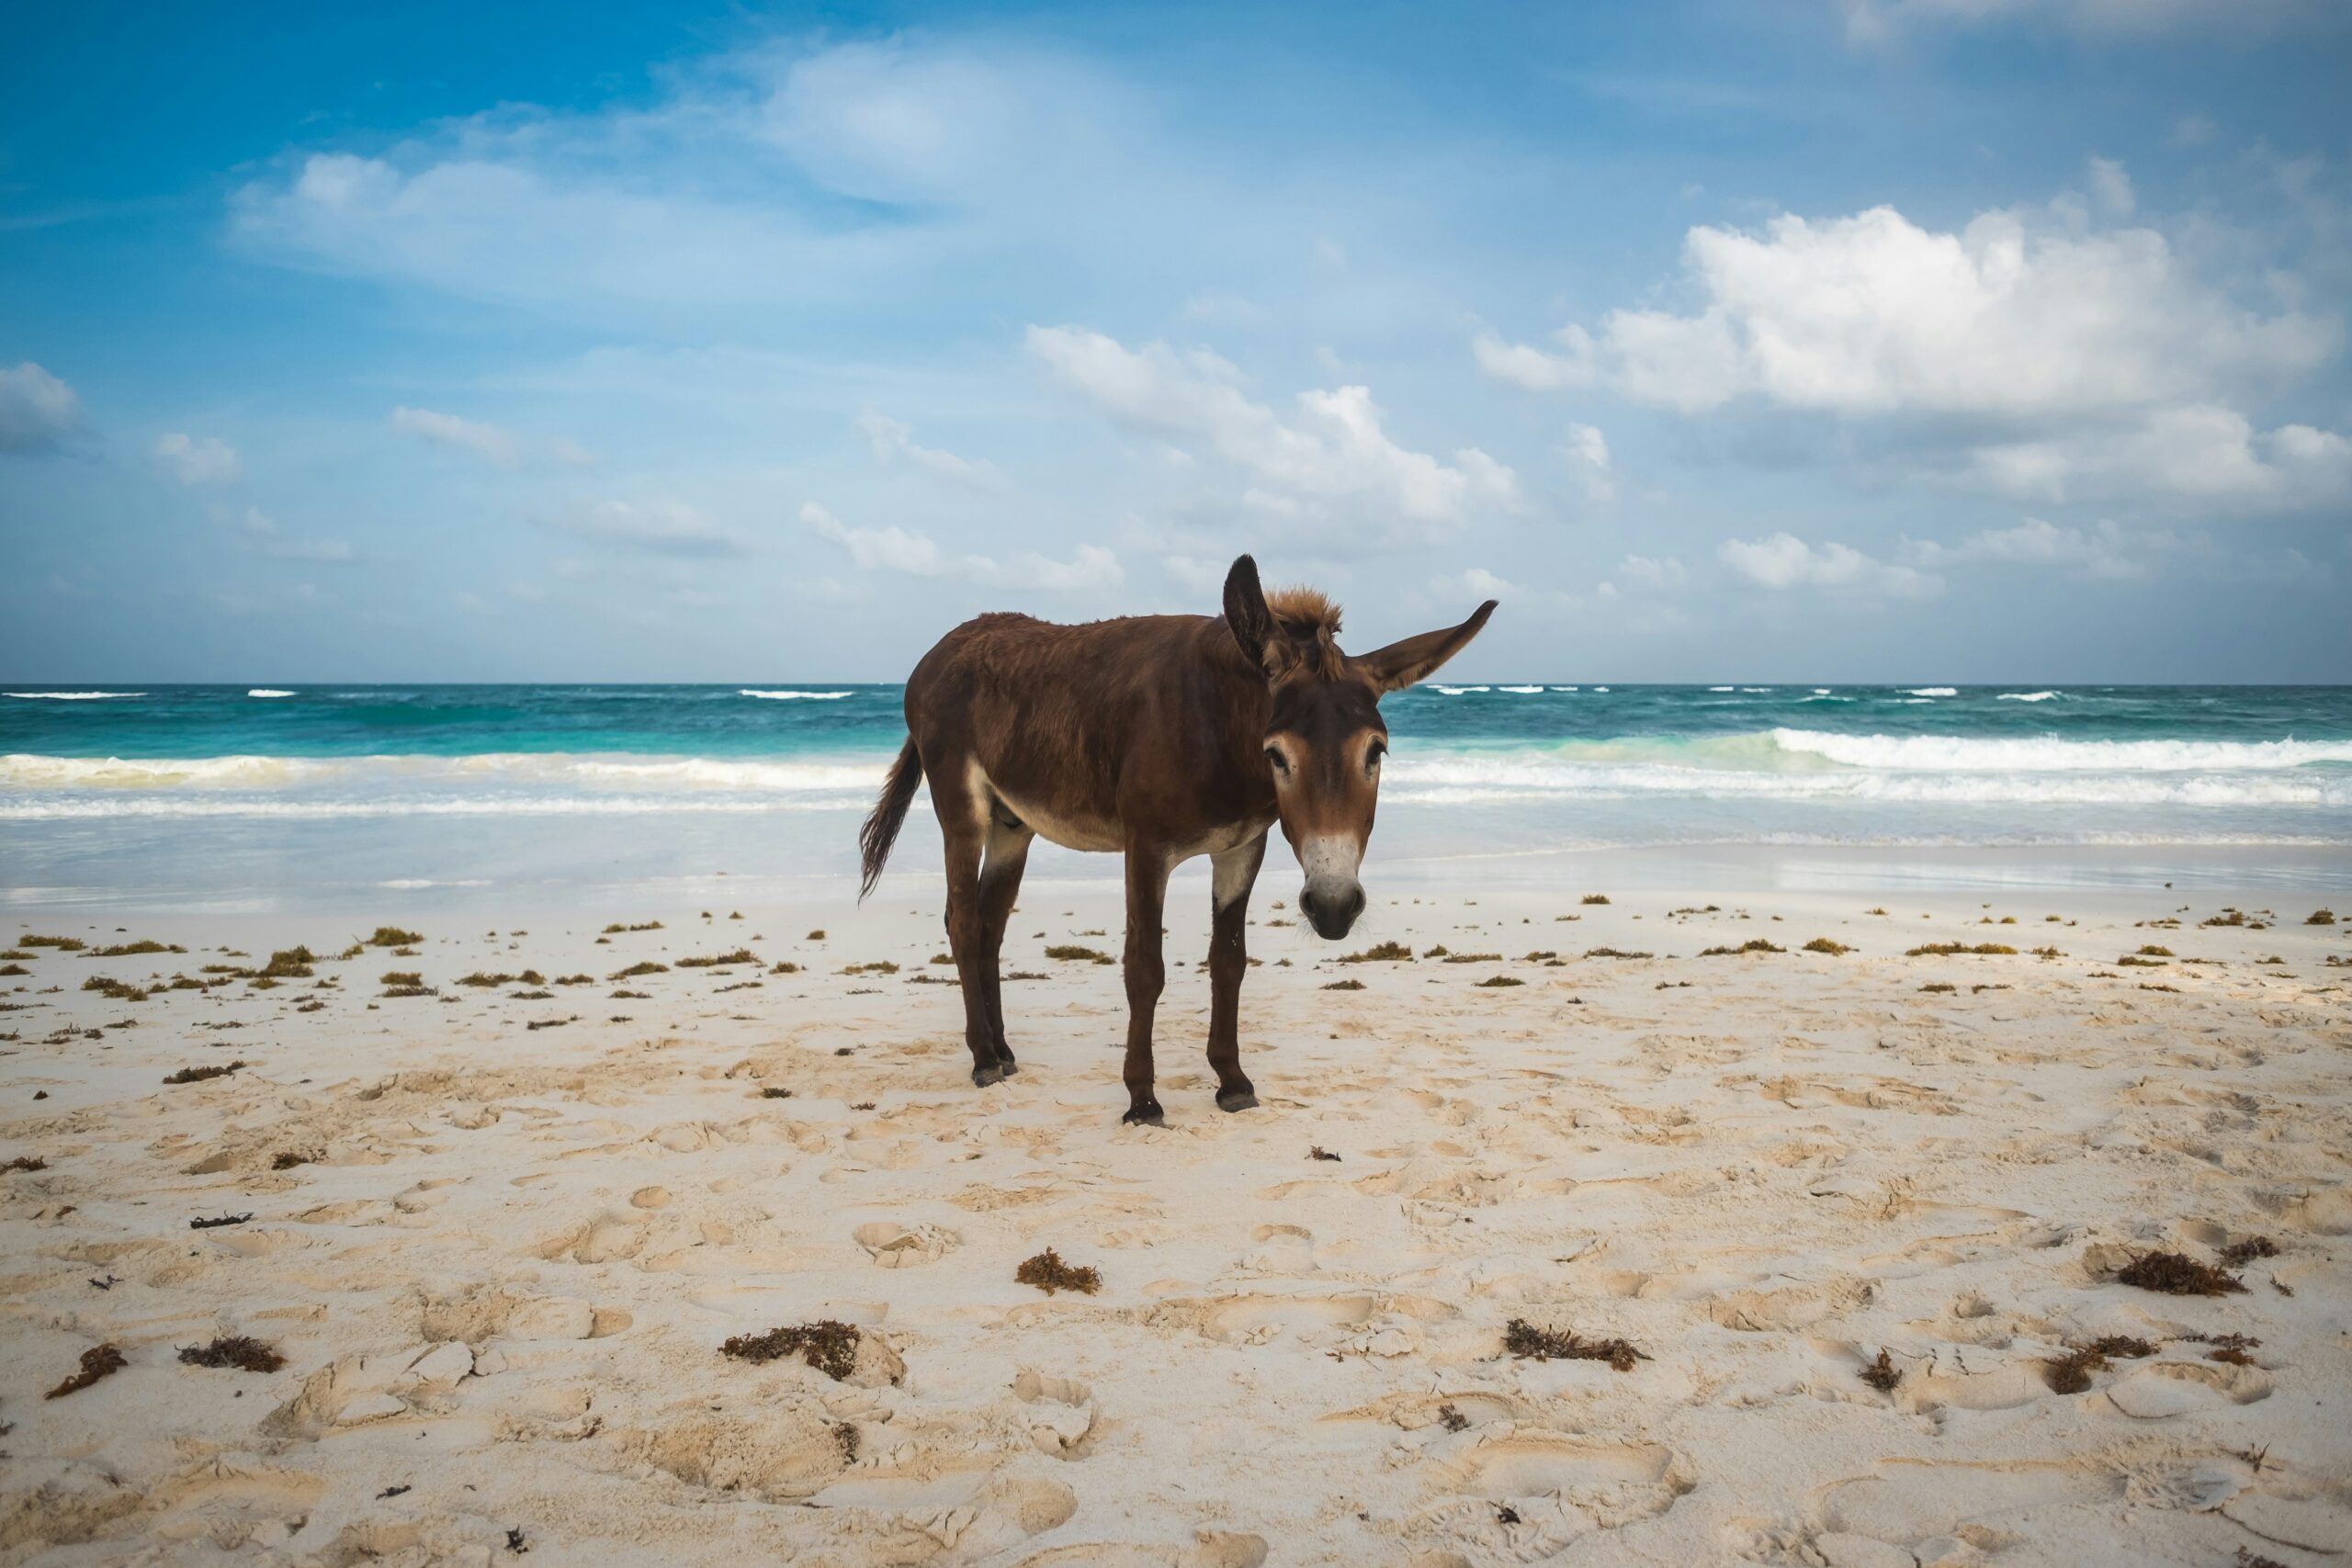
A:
881, 829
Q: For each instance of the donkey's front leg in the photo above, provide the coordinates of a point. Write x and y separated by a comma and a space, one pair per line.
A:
1232, 875
1146, 892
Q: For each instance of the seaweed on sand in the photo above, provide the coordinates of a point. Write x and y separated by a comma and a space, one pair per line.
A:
218, 1221
98, 1361
1883, 1375
1523, 1339
198, 1075
1075, 953
1380, 953
392, 936
721, 960
1829, 946
2177, 1274
1049, 1274
236, 1352
828, 1344
2238, 1254
1753, 944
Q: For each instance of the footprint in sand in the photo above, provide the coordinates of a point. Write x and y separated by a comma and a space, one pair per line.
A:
2167, 1389
892, 1246
1908, 1502
1526, 1492
1060, 1412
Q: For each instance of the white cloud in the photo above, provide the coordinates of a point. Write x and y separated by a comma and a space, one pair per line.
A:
198, 460
1587, 451
895, 549
485, 441
2104, 551
1473, 583
1335, 454
2111, 187
1659, 572
658, 528
2201, 452
38, 411
1535, 369
1783, 561
892, 440
1874, 315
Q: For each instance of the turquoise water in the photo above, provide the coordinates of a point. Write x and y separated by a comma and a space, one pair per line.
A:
113, 790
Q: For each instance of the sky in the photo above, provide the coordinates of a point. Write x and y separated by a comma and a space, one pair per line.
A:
1780, 340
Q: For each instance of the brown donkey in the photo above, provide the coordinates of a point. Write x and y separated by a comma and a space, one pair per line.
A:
1159, 737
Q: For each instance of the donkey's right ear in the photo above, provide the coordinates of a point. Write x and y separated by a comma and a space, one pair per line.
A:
1246, 612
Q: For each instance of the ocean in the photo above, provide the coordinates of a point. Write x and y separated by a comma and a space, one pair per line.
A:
219, 797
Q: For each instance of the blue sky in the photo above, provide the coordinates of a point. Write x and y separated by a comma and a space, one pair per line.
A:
1785, 339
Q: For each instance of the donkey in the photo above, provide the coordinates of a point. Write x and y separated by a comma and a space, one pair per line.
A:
1159, 737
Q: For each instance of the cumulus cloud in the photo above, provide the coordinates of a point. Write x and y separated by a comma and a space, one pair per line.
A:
198, 460
38, 411
1783, 561
2104, 551
2126, 367
657, 527
2201, 452
1653, 571
1874, 314
1333, 453
1587, 451
895, 549
1535, 369
893, 441
446, 430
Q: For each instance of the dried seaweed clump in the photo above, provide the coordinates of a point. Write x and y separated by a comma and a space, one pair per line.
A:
287, 1159
828, 1344
1380, 953
234, 1353
1319, 1152
1049, 1274
2316, 917
74, 943
1075, 953
98, 1361
198, 1075
1953, 949
132, 949
1494, 982
1754, 944
2071, 1373
1523, 1339
2238, 1254
1611, 953
2175, 1274
719, 960
392, 936
1594, 898
26, 1162
1349, 985
617, 929
1882, 1374
1825, 944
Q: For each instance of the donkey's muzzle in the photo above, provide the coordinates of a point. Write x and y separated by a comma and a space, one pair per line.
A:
1332, 912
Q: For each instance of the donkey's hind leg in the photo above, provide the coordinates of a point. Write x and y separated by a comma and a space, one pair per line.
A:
963, 827
1007, 856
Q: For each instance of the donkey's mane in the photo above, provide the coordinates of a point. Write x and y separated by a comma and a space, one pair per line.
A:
1311, 621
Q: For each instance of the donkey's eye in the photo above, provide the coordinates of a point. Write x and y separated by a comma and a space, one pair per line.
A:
1274, 755
1373, 752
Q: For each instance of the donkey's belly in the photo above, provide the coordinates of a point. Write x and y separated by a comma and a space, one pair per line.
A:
1071, 832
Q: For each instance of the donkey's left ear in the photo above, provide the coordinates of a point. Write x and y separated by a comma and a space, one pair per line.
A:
1400, 664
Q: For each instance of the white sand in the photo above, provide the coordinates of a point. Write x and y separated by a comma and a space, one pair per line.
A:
501, 1284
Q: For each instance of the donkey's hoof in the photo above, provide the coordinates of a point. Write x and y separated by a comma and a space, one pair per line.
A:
1239, 1100
1149, 1115
1007, 1066
983, 1077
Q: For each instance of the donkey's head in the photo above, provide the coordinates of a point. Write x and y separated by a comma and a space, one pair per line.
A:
1325, 740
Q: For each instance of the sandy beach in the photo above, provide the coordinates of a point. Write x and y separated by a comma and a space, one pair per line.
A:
500, 1233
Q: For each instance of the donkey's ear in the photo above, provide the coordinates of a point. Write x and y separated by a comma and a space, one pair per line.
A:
1246, 612
1400, 664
